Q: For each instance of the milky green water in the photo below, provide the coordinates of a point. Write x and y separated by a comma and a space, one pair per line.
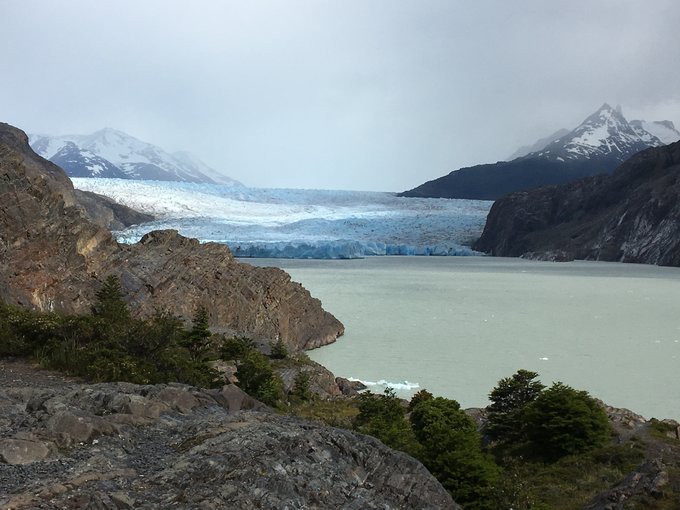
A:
456, 325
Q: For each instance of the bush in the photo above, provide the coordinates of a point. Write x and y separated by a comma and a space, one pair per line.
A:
384, 416
279, 350
562, 421
109, 345
257, 378
235, 348
301, 391
451, 450
509, 399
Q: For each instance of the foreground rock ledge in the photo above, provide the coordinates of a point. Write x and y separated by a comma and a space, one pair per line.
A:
53, 257
120, 445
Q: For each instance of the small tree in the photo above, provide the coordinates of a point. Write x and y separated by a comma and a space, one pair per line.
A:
563, 421
301, 391
197, 339
257, 378
110, 304
508, 401
279, 350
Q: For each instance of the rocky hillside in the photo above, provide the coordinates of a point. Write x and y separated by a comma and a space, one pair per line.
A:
52, 257
598, 145
65, 444
631, 216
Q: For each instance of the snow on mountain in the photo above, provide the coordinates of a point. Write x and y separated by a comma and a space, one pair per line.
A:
539, 144
77, 162
299, 223
133, 158
664, 130
604, 134
188, 160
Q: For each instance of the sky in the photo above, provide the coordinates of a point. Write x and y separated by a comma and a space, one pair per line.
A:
376, 95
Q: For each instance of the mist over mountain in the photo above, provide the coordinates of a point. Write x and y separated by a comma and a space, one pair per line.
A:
598, 145
539, 144
115, 154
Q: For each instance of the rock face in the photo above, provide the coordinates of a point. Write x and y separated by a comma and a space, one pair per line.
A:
69, 445
53, 258
107, 213
631, 216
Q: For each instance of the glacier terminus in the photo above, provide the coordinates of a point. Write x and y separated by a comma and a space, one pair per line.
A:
292, 223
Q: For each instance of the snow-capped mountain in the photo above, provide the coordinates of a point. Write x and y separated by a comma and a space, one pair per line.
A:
598, 145
78, 162
112, 153
604, 134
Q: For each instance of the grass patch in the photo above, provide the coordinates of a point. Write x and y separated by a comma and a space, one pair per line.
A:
569, 483
334, 412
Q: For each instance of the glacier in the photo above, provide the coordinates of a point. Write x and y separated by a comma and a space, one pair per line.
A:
295, 223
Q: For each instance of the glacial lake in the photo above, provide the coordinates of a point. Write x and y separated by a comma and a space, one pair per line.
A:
456, 325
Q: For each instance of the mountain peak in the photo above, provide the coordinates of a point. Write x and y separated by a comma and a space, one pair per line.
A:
110, 152
604, 134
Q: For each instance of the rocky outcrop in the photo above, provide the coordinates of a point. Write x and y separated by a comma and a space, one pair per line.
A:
630, 216
52, 257
107, 213
65, 444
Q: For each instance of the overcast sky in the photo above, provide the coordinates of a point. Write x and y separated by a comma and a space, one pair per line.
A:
344, 94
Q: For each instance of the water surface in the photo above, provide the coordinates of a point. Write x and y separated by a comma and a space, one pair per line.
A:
456, 325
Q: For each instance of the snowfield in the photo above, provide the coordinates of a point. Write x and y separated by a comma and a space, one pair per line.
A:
293, 223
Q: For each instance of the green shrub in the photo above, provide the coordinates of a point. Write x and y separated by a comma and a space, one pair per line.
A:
301, 391
562, 421
451, 450
235, 348
279, 350
197, 339
384, 416
257, 378
505, 420
110, 304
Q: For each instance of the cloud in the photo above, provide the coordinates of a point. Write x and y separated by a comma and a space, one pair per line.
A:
364, 95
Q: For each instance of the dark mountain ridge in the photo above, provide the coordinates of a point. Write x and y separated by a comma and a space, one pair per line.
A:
632, 215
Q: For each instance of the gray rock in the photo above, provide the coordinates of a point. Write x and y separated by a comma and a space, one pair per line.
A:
129, 446
20, 451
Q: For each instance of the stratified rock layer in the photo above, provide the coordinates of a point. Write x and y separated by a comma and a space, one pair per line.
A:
630, 216
69, 445
53, 258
